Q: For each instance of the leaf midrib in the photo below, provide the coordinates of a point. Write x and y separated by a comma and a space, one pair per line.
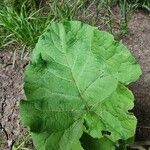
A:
63, 35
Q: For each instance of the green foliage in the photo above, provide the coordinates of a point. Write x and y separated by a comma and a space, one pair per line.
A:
16, 5
127, 10
24, 27
90, 143
23, 21
65, 9
141, 3
76, 89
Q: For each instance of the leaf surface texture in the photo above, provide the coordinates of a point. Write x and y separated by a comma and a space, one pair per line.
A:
75, 83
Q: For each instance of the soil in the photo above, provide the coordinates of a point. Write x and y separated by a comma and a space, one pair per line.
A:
138, 41
11, 91
11, 84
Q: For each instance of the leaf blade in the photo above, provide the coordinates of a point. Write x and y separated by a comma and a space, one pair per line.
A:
74, 69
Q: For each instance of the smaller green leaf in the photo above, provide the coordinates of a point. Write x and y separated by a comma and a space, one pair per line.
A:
90, 143
106, 144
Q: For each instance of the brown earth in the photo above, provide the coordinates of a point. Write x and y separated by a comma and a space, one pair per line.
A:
11, 84
138, 41
11, 91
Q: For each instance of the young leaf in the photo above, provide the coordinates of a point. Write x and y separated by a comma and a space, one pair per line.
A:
90, 143
77, 70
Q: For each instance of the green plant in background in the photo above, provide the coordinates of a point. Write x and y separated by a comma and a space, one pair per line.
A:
22, 24
23, 21
146, 5
107, 17
109, 14
65, 9
24, 27
16, 5
5, 37
141, 3
76, 89
101, 13
127, 10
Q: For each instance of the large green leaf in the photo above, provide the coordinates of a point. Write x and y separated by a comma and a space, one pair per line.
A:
77, 71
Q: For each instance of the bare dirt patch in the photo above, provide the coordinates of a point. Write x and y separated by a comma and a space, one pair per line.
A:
11, 91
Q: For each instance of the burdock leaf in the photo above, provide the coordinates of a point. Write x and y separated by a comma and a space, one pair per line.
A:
76, 70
